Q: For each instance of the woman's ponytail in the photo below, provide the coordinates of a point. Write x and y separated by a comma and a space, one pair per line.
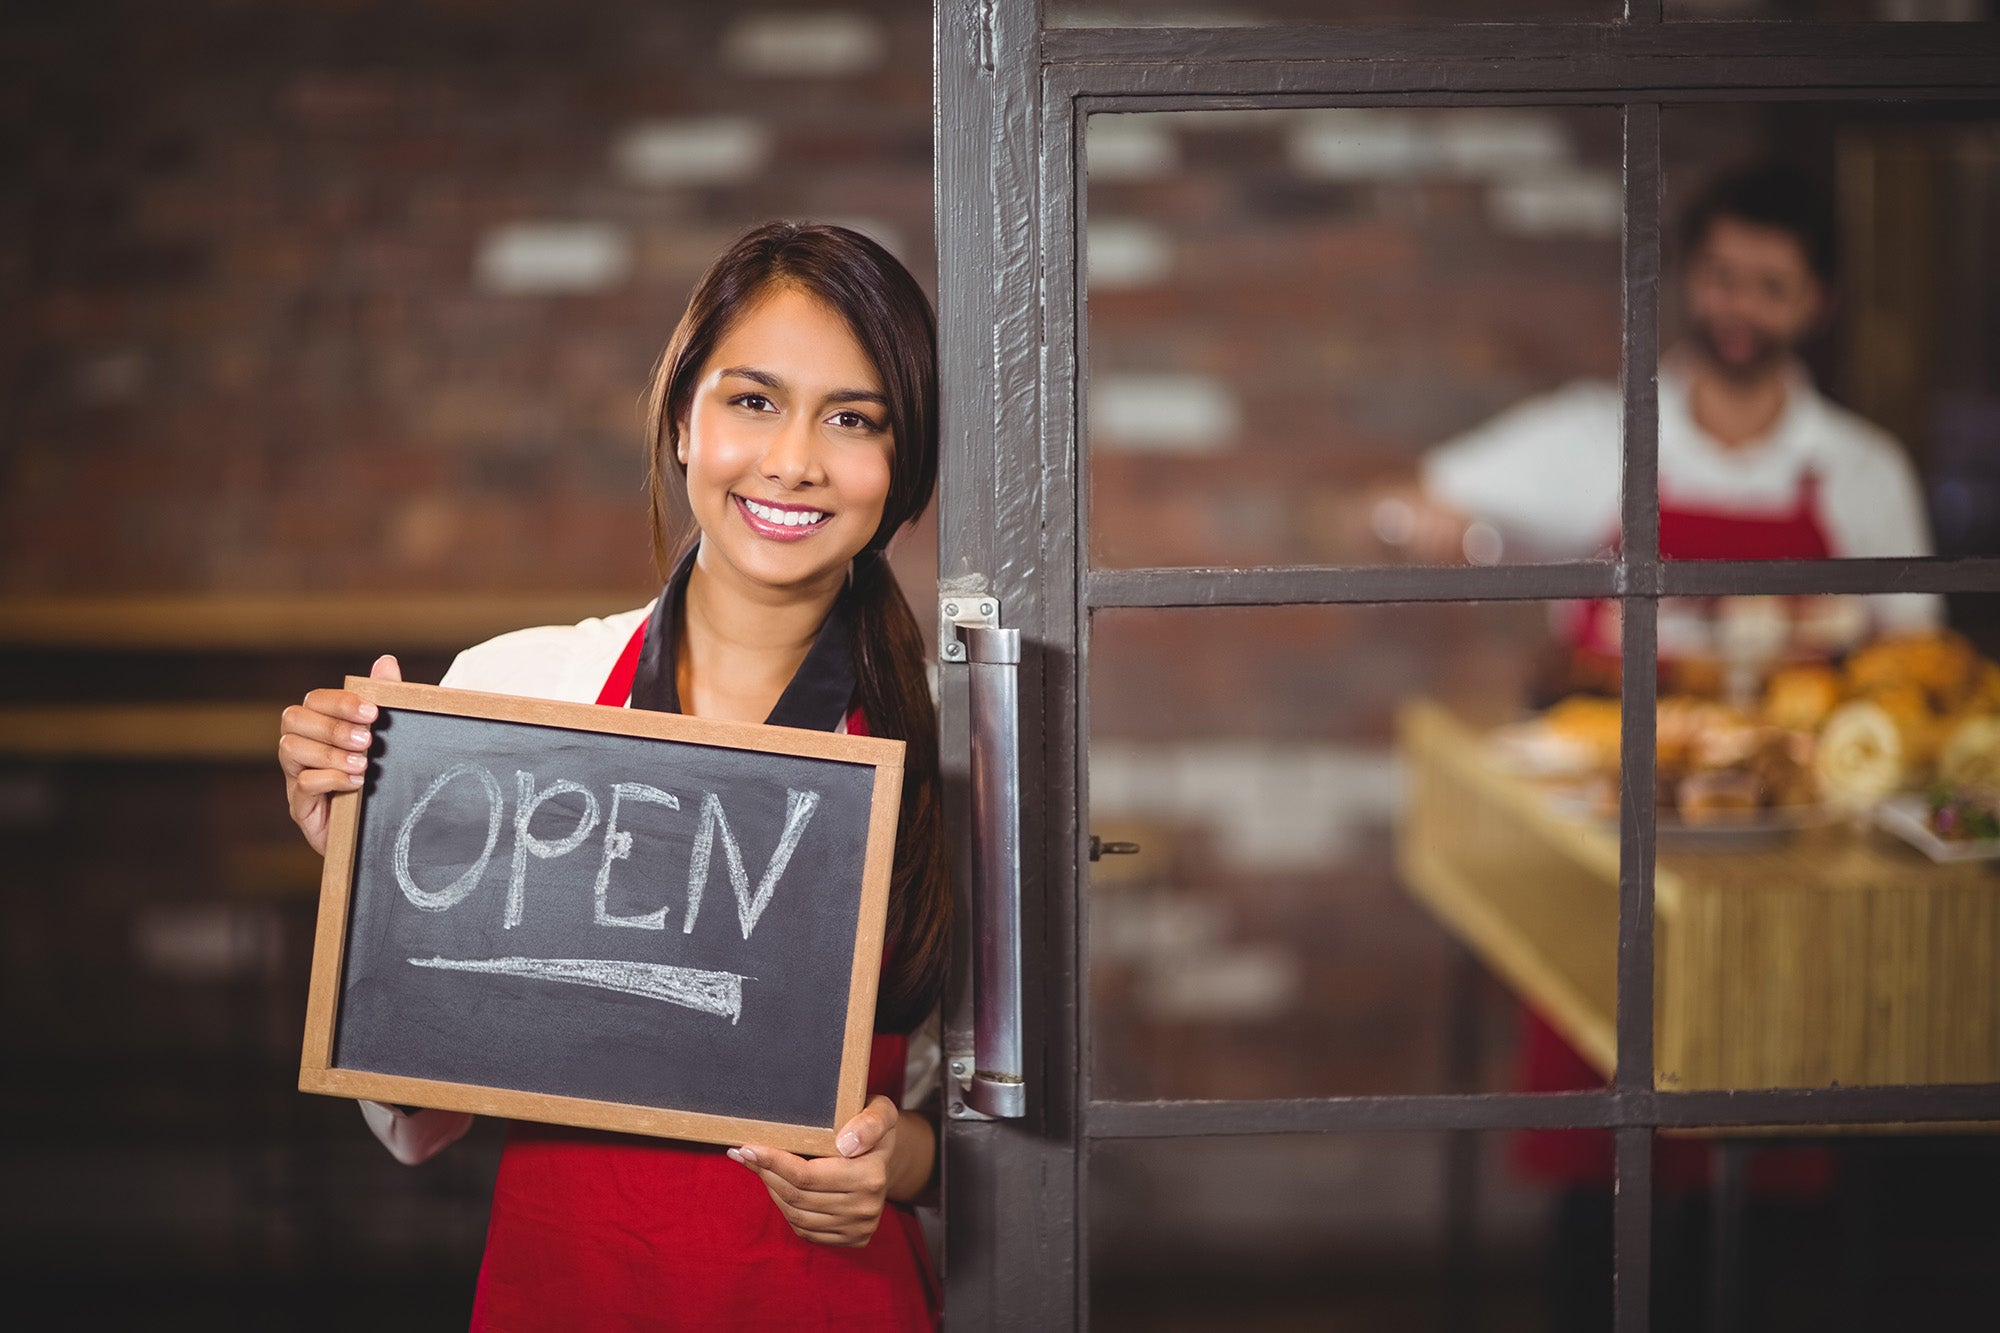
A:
894, 693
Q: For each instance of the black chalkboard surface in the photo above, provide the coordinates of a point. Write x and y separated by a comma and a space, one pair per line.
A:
604, 917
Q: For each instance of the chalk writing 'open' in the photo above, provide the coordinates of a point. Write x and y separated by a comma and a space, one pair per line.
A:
617, 845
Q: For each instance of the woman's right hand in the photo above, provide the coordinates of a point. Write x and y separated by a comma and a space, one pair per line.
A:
323, 748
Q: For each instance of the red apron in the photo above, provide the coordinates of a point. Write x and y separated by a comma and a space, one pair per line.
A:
593, 1232
1550, 1064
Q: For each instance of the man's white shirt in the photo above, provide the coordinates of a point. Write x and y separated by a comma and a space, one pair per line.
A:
1545, 473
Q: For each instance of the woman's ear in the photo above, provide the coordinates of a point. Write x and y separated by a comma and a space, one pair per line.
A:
681, 441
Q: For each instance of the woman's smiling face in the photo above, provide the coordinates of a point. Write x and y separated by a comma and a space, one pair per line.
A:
787, 445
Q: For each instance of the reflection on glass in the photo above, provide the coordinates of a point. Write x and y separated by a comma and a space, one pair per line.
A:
1323, 798
1343, 1231
1291, 311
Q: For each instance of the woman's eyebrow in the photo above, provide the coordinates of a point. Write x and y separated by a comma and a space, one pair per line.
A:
770, 381
755, 376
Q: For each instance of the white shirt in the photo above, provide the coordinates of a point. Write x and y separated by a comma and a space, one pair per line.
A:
1545, 473
569, 663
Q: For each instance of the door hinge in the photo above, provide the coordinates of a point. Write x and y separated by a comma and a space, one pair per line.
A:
977, 612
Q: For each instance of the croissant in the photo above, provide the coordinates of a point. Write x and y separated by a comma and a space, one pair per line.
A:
1861, 756
1799, 698
1971, 754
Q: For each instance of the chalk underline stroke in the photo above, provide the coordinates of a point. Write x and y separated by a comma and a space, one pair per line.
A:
718, 993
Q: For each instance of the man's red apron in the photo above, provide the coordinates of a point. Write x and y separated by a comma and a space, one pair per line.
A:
598, 1232
1547, 1062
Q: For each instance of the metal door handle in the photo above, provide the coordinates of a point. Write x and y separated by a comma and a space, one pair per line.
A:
993, 655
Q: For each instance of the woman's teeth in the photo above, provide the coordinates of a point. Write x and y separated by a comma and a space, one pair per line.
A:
787, 518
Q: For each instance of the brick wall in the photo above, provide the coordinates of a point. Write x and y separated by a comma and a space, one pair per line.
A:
352, 295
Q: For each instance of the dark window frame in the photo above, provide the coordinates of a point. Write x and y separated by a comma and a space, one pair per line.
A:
1011, 113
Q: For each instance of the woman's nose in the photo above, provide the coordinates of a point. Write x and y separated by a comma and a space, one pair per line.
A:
792, 460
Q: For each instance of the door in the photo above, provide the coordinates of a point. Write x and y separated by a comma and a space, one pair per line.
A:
1016, 95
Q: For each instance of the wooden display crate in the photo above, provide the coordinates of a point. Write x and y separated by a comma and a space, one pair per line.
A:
1831, 955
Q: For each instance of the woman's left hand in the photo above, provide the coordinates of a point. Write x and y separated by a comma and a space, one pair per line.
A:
834, 1200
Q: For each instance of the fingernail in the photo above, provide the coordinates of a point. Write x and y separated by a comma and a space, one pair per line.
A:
354, 779
745, 1156
357, 762
733, 1155
849, 1143
367, 712
359, 736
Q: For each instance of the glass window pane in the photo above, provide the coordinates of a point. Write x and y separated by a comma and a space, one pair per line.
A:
1305, 327
1829, 824
1830, 373
1326, 800
1339, 1232
1849, 1232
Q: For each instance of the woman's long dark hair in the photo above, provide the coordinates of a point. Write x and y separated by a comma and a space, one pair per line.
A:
891, 318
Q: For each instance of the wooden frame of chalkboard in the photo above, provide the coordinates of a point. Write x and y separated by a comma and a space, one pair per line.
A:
368, 1019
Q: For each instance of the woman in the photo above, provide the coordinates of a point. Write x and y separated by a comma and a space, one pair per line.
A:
795, 409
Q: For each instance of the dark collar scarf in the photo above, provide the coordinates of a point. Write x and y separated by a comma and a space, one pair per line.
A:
818, 697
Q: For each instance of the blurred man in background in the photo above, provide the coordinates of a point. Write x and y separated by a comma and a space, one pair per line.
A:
1754, 462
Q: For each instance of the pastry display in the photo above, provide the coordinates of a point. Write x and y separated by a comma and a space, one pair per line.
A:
1965, 814
1897, 716
1971, 754
1799, 698
1861, 756
1941, 663
1591, 724
1718, 797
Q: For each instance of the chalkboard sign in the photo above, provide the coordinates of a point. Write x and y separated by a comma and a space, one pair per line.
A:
604, 917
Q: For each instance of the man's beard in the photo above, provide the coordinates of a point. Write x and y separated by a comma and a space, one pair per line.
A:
1767, 354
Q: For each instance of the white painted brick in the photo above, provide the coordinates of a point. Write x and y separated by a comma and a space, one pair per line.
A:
545, 258
1571, 204
1501, 144
1363, 144
1130, 147
1269, 807
708, 150
1169, 414
1360, 144
1123, 253
1245, 984
804, 43
206, 941
1155, 927
114, 377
